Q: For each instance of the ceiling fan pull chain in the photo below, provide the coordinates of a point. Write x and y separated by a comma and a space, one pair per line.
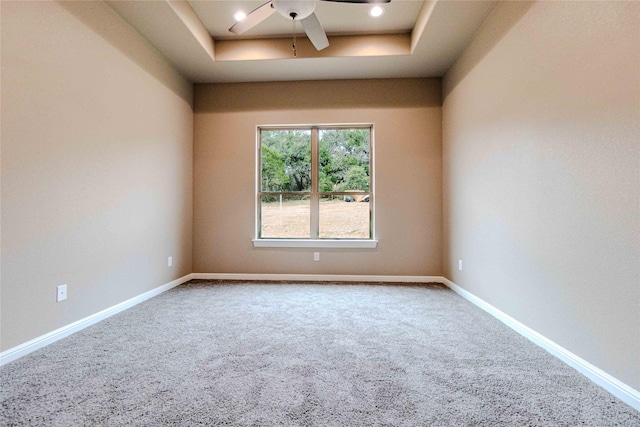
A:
293, 33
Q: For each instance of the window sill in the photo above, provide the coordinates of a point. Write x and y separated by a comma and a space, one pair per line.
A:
319, 243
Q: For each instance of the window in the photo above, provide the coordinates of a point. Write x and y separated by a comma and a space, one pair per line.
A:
315, 186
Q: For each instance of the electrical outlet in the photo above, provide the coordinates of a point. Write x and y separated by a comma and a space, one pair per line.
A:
62, 293
169, 261
316, 256
460, 264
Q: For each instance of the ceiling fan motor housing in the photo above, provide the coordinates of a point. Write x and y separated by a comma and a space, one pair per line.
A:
294, 9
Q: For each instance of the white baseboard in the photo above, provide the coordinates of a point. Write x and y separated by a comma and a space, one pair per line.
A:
614, 386
317, 278
23, 349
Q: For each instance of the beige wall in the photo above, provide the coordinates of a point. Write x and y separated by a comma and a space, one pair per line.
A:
96, 165
407, 125
541, 174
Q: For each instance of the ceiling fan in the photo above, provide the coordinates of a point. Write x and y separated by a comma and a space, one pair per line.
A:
296, 10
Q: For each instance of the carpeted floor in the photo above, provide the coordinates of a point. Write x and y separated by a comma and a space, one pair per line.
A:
215, 353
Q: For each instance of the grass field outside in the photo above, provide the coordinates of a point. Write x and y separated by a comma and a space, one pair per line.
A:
338, 219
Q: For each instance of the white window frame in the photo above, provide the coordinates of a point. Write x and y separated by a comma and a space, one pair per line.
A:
315, 242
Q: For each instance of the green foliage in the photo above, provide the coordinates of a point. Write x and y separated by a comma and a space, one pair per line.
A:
356, 177
286, 160
343, 160
325, 184
274, 177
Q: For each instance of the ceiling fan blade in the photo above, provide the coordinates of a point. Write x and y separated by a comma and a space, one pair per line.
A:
315, 32
360, 1
252, 19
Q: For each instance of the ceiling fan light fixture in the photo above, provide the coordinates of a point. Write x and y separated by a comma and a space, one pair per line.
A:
376, 11
297, 10
239, 16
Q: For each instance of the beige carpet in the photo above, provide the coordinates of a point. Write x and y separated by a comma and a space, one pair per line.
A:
245, 354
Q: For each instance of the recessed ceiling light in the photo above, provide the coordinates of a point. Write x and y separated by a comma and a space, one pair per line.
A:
239, 16
376, 11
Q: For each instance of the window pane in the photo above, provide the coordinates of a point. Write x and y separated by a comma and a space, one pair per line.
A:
345, 217
285, 217
286, 160
344, 159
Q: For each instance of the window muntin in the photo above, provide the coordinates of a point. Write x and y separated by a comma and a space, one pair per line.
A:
315, 178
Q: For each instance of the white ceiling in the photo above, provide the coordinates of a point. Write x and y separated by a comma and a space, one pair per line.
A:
194, 36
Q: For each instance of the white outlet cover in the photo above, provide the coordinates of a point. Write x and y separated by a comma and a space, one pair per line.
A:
169, 261
460, 264
316, 256
61, 293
